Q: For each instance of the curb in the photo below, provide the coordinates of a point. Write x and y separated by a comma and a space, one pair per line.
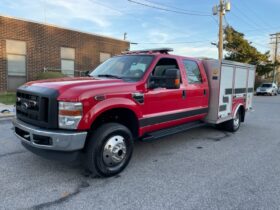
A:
7, 117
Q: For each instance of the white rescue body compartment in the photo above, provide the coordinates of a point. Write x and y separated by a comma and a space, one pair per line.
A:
229, 82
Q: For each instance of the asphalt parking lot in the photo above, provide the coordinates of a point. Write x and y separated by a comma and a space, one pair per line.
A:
202, 168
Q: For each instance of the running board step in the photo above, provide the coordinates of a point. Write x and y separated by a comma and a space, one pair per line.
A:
170, 131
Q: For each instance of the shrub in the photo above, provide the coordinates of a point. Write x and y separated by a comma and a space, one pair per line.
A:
50, 75
8, 98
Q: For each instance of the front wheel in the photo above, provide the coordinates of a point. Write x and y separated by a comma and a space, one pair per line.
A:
109, 150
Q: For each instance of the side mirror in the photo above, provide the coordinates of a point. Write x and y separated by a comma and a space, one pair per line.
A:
86, 73
172, 78
169, 80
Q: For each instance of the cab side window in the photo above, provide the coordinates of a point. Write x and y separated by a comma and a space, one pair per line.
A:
164, 64
193, 72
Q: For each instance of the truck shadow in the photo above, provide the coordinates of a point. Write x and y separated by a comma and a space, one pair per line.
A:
165, 146
68, 180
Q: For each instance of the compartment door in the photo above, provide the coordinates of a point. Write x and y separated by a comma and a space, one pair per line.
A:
226, 91
250, 90
240, 82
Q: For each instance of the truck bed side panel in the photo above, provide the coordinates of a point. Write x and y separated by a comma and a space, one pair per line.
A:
226, 91
230, 84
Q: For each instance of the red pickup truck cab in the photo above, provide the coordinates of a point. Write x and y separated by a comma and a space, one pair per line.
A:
137, 95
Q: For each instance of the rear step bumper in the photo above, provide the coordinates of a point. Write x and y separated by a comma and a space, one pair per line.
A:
173, 130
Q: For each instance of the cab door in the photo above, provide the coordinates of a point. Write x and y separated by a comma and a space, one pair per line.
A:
197, 90
162, 105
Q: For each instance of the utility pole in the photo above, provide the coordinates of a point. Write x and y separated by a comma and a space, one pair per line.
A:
222, 8
124, 36
275, 36
221, 33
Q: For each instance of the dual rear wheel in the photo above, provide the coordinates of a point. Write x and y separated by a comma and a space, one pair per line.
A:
233, 124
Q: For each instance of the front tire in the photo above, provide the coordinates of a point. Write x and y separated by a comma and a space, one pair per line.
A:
109, 150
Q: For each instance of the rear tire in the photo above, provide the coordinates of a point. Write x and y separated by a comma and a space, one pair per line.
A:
109, 150
233, 124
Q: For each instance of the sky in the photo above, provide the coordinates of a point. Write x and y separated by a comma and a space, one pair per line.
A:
189, 30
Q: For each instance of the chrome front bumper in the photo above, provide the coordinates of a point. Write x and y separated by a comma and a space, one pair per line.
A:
57, 140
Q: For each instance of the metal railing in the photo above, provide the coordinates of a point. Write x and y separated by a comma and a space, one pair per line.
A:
77, 73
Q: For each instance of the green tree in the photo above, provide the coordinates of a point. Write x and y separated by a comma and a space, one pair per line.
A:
239, 49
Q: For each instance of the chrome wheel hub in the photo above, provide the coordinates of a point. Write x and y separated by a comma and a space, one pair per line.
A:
236, 121
114, 151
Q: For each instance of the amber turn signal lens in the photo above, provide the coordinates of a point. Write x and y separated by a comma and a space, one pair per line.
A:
70, 112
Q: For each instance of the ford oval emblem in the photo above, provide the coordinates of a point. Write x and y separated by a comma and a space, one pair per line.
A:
24, 106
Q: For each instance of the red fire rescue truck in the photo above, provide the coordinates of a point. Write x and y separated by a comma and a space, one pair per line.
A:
142, 95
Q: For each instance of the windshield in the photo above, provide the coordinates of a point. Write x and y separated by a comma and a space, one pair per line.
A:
131, 67
267, 85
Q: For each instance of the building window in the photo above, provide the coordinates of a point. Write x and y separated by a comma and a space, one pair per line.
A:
16, 57
193, 72
16, 63
67, 55
104, 56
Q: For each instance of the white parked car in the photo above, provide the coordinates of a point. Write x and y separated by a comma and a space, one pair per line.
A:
267, 89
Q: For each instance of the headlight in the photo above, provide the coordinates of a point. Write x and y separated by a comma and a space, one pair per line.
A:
70, 114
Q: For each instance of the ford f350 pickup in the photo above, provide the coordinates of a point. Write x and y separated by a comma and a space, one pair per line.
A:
142, 95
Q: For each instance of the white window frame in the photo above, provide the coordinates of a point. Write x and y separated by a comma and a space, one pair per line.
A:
104, 54
67, 57
14, 52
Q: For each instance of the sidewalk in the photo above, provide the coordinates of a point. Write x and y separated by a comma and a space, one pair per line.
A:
7, 111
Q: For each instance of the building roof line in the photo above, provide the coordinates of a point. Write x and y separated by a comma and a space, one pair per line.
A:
61, 27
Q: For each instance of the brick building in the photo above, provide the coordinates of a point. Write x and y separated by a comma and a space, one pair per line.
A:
27, 48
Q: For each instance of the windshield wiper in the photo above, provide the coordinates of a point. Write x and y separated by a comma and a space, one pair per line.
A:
109, 75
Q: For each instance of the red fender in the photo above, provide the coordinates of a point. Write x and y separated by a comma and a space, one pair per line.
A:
106, 105
237, 103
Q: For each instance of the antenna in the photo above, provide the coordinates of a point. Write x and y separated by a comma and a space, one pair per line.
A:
44, 8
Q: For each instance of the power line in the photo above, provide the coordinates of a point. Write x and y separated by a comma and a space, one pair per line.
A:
177, 8
250, 20
168, 10
262, 45
256, 43
216, 21
187, 42
183, 11
263, 29
244, 20
106, 6
226, 20
250, 8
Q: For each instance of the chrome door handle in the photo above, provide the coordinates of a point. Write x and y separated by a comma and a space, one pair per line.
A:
184, 94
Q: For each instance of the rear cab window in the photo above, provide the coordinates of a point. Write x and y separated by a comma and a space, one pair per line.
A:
192, 71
